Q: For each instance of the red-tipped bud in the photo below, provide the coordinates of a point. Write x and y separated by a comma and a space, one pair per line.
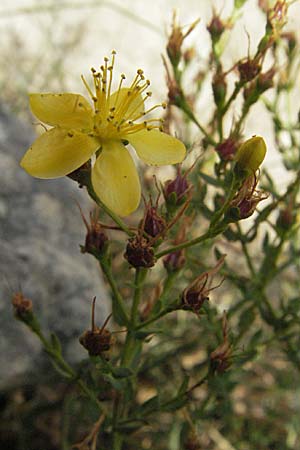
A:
154, 224
227, 149
175, 191
216, 28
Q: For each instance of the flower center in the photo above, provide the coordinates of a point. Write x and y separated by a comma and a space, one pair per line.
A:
120, 113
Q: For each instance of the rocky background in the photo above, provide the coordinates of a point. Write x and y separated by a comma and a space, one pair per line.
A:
40, 233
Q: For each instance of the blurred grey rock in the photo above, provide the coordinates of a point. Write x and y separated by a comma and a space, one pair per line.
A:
40, 233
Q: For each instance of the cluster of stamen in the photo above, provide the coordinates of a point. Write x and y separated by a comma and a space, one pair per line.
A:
116, 116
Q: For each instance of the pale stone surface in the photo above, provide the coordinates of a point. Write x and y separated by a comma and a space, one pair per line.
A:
40, 233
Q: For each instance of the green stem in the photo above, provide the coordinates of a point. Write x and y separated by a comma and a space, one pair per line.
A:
139, 278
187, 244
113, 216
128, 351
245, 250
233, 96
63, 365
116, 294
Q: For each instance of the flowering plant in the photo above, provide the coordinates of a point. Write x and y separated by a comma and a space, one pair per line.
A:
206, 310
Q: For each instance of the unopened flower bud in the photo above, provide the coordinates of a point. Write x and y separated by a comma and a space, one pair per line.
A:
220, 358
139, 252
97, 340
154, 224
227, 149
175, 190
174, 261
22, 307
248, 70
96, 239
216, 28
219, 87
250, 155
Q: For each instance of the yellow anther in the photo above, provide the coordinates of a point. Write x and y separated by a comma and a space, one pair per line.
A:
113, 52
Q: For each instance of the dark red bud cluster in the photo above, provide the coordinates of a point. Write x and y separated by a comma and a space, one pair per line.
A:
139, 252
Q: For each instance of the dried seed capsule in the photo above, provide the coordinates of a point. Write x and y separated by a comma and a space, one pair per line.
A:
139, 252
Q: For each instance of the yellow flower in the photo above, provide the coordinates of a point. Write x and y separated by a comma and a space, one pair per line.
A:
80, 131
251, 154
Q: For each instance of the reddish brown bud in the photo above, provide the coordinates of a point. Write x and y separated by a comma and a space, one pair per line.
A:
97, 340
139, 252
198, 291
176, 39
227, 149
174, 261
95, 240
22, 306
248, 69
175, 191
246, 200
216, 28
220, 358
154, 224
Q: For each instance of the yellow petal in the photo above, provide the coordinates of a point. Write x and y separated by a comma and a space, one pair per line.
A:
65, 110
58, 152
157, 148
115, 179
128, 101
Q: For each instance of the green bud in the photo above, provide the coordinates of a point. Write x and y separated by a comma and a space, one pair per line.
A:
251, 154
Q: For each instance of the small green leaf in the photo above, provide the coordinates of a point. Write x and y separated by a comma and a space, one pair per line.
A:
55, 343
121, 372
210, 180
